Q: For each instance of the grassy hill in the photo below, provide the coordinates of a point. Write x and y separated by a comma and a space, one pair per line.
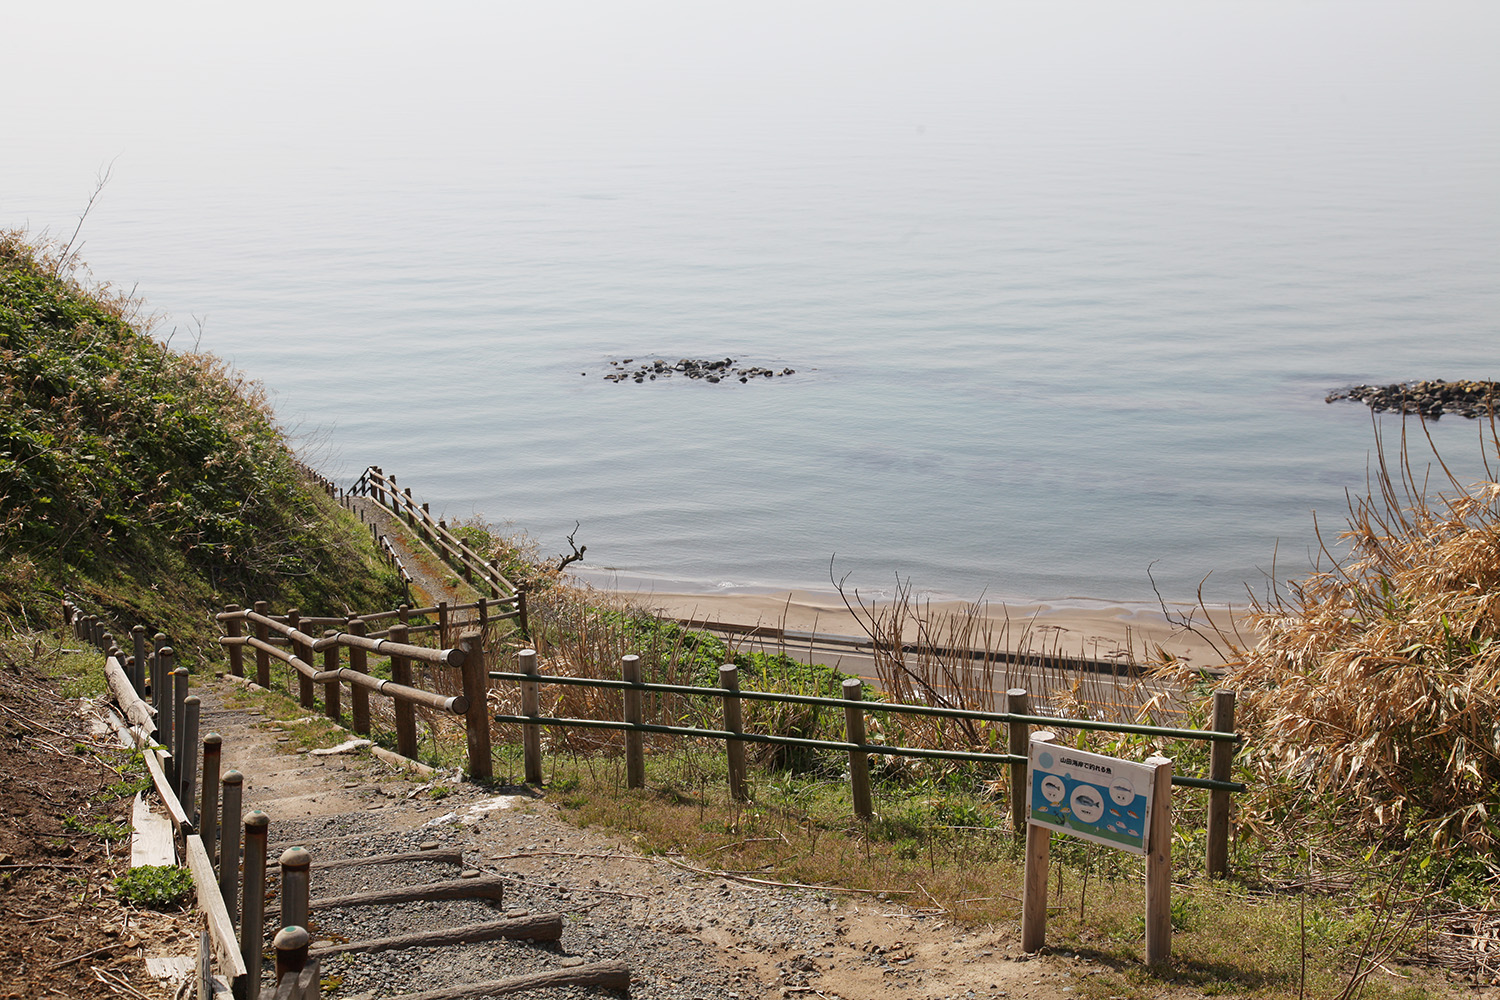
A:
148, 485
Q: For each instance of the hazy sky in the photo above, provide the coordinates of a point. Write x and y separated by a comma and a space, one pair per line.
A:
164, 81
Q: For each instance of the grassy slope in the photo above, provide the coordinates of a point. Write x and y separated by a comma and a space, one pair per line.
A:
146, 485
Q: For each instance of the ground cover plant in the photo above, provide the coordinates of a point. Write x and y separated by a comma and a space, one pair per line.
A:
147, 484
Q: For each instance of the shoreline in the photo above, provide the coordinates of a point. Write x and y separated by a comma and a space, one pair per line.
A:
1104, 632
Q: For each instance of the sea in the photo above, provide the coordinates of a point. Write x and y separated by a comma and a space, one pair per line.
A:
1062, 286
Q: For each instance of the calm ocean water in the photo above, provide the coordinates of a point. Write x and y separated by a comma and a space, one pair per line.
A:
1063, 290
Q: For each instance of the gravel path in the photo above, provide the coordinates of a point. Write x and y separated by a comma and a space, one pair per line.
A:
683, 934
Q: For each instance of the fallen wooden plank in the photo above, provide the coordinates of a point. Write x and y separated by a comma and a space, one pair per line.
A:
465, 888
612, 975
164, 790
348, 746
453, 857
151, 837
226, 945
537, 927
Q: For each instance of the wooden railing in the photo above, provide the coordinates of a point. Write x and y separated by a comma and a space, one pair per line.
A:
479, 572
216, 839
1017, 720
206, 824
280, 637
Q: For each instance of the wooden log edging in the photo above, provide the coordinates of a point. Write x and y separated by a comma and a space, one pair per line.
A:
613, 975
492, 887
535, 927
452, 857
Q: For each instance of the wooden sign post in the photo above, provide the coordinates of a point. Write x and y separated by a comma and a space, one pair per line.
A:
1118, 803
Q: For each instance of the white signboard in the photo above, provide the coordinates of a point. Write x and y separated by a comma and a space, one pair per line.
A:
1092, 796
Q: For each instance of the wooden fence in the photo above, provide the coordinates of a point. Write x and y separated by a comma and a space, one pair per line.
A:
481, 573
1017, 720
210, 833
217, 840
281, 637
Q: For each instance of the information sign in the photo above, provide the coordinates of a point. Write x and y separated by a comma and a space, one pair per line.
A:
1088, 795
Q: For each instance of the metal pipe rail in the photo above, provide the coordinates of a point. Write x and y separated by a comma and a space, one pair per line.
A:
1005, 718
785, 741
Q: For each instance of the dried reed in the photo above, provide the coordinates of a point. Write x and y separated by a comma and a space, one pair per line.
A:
1376, 681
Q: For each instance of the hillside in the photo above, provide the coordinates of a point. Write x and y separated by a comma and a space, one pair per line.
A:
145, 484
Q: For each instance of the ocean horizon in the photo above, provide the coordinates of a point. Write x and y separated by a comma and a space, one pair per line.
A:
1062, 290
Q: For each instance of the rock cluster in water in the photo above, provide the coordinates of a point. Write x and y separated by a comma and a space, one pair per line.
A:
709, 371
1428, 398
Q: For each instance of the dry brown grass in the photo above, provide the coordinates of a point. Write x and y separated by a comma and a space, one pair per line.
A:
1376, 682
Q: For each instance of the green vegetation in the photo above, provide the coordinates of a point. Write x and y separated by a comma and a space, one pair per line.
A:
160, 887
147, 485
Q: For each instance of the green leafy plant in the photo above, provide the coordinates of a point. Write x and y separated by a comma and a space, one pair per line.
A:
159, 887
104, 829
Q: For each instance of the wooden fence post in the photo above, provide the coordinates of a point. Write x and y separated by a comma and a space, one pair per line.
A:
262, 658
729, 678
187, 768
236, 652
305, 696
1038, 857
331, 700
1018, 702
531, 733
291, 945
208, 810
138, 672
859, 763
359, 697
166, 712
295, 886
443, 642
477, 718
253, 914
521, 612
229, 854
635, 759
1220, 762
159, 694
179, 710
406, 713
1159, 866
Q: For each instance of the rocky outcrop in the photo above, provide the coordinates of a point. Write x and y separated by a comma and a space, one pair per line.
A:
719, 370
1431, 398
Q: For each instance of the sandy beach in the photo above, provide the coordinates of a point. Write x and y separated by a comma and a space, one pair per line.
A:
1106, 632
